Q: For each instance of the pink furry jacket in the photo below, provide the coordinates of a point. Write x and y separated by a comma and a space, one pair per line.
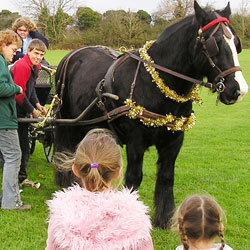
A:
108, 220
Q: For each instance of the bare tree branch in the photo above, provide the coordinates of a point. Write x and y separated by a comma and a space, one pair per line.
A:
33, 8
174, 9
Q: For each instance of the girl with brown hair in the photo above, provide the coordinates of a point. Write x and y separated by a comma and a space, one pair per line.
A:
199, 222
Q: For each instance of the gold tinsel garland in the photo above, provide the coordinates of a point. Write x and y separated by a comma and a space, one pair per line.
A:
175, 124
193, 95
170, 121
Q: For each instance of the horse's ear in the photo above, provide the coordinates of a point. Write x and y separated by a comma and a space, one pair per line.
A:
227, 11
199, 12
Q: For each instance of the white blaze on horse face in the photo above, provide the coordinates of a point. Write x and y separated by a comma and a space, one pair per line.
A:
238, 74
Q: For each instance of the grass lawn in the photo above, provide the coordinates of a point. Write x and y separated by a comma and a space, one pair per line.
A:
214, 159
55, 56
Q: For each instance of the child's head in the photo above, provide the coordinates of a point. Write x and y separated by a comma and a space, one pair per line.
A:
36, 51
37, 44
23, 25
9, 38
9, 43
97, 160
199, 217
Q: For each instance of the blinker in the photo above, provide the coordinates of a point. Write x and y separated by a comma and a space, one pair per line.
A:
237, 43
212, 47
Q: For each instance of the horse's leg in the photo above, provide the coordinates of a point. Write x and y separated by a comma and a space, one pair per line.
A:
66, 139
168, 150
135, 152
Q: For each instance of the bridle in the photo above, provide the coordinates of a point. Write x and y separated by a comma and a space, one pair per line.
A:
210, 49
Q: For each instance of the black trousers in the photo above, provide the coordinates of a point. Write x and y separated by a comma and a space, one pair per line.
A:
25, 148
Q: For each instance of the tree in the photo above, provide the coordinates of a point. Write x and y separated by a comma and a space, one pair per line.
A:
52, 19
244, 12
43, 21
57, 25
87, 18
111, 27
132, 28
7, 18
114, 14
33, 8
241, 22
144, 16
174, 10
120, 28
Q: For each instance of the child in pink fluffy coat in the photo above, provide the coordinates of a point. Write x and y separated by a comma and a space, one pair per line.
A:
96, 216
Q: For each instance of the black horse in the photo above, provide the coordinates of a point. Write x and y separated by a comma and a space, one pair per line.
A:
154, 105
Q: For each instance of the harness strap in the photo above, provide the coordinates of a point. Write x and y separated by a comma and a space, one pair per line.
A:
62, 76
113, 115
109, 76
227, 72
171, 72
205, 51
134, 81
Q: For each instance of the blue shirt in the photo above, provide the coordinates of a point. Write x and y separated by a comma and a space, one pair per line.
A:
26, 44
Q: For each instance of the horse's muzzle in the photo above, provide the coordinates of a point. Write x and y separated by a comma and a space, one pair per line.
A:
230, 97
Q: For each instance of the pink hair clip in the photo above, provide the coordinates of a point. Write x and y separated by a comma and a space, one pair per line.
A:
94, 165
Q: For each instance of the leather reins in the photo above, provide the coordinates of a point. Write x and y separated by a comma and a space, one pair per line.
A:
174, 73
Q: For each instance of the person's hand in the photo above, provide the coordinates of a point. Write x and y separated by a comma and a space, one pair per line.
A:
41, 108
21, 91
35, 113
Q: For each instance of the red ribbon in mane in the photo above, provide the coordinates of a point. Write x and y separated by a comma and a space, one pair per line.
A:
215, 21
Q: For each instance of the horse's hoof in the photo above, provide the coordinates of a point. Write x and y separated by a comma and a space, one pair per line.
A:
161, 224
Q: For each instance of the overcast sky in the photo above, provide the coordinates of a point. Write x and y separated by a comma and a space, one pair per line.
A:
134, 5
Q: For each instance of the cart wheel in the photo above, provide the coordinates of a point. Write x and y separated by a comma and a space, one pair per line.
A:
32, 144
32, 139
49, 152
48, 146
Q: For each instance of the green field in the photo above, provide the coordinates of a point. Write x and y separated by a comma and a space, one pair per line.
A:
55, 56
214, 159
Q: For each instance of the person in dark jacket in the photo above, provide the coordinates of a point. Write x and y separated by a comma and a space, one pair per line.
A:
27, 30
10, 152
25, 73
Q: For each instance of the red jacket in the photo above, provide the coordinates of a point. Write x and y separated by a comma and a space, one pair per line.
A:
25, 75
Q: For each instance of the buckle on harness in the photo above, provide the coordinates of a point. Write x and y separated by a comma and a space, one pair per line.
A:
220, 86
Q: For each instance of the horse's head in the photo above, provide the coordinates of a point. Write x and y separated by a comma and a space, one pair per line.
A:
216, 47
